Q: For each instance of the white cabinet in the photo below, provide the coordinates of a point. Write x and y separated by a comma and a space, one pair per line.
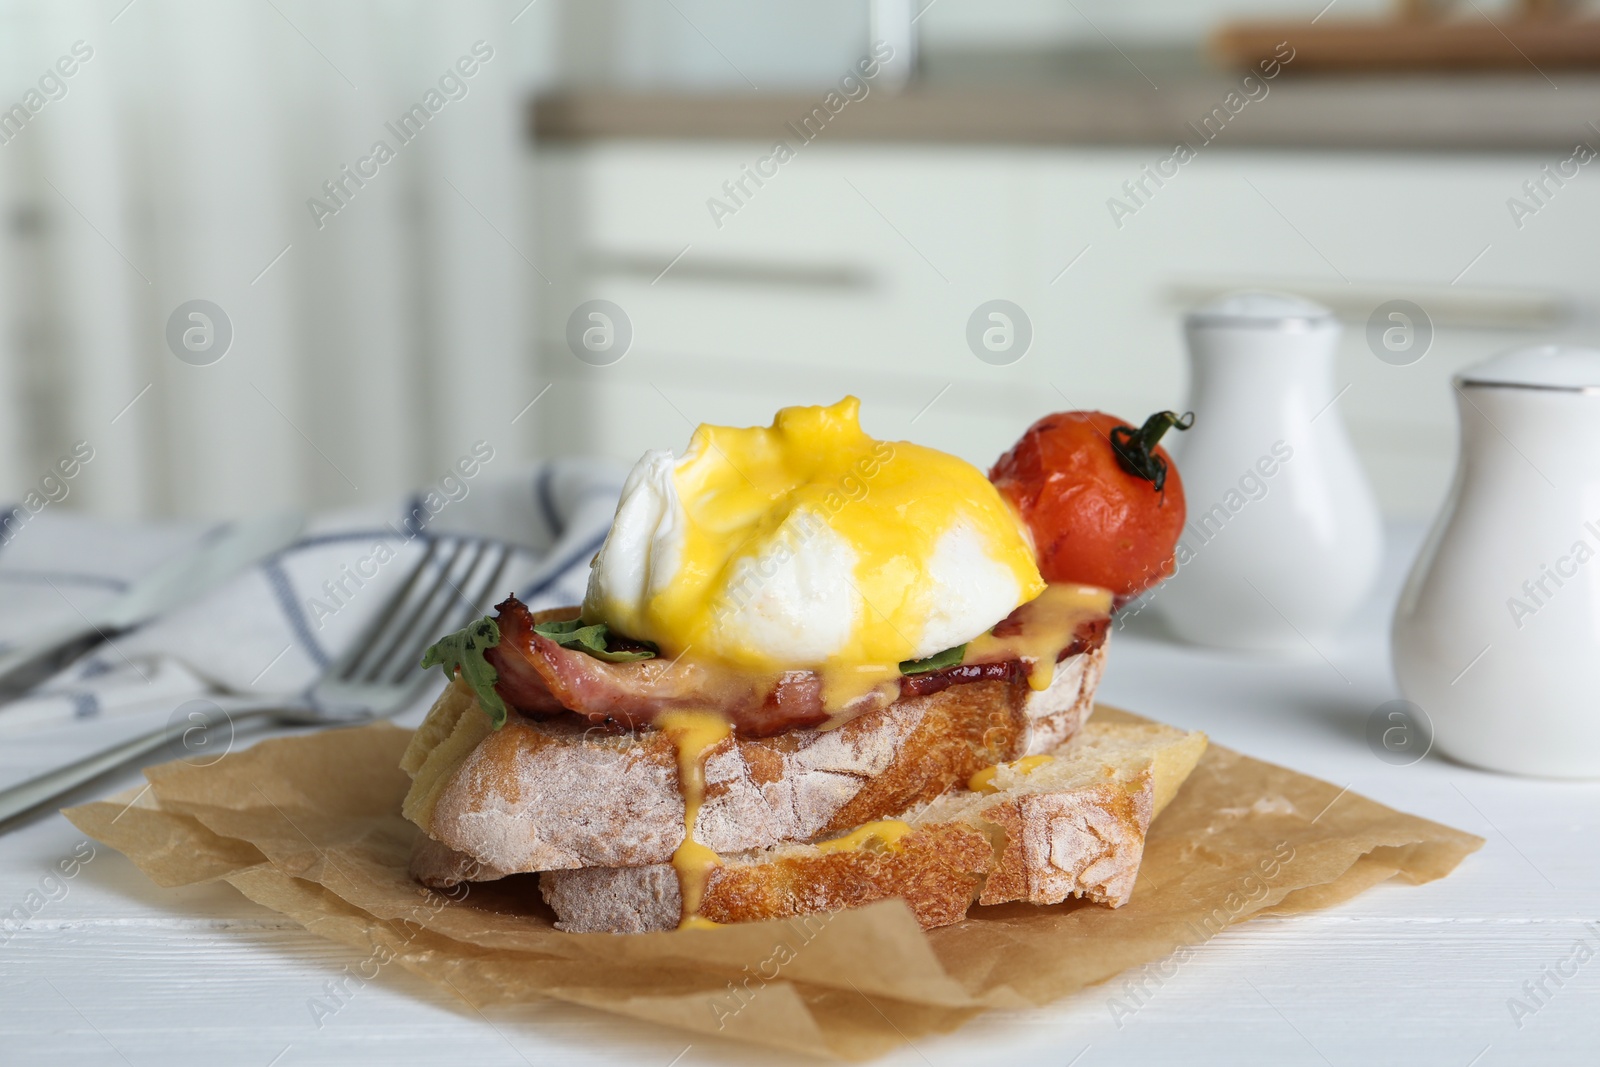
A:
855, 269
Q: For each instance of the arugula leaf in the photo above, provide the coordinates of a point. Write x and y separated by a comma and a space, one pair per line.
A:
950, 657
593, 638
463, 651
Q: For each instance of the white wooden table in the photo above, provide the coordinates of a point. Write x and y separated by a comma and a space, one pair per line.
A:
111, 969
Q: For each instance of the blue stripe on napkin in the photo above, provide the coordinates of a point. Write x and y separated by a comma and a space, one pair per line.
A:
547, 503
283, 591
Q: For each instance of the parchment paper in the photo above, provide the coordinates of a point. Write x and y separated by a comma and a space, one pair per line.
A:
310, 826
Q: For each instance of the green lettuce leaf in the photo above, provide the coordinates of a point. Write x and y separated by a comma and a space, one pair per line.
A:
950, 657
591, 638
463, 651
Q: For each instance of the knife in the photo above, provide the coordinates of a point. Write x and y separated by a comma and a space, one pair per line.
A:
219, 556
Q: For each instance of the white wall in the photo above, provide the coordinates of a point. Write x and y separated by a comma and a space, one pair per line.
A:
1080, 23
802, 43
708, 44
785, 44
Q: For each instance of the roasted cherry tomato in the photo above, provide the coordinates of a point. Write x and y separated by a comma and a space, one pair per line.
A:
1103, 500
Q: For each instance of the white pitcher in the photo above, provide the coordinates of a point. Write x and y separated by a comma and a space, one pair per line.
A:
1497, 635
1283, 539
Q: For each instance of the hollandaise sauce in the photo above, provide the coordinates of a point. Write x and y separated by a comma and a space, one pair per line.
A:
983, 781
845, 683
1040, 629
694, 734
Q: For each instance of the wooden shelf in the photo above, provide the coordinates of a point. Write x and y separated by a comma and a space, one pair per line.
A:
1439, 112
1417, 44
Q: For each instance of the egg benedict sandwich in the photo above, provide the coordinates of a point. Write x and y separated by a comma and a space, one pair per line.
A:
804, 659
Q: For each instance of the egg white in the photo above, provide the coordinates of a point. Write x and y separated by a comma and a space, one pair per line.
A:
792, 599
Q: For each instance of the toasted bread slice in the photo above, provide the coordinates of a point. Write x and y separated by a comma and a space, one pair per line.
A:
1073, 827
559, 794
938, 870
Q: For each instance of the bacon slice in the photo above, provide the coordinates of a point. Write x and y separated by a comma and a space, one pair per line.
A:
541, 679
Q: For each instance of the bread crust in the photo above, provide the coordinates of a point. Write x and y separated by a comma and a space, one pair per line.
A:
439, 866
937, 871
616, 900
1084, 842
560, 794
1079, 832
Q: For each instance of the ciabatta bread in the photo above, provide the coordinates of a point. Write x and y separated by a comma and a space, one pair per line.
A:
937, 870
559, 794
1073, 827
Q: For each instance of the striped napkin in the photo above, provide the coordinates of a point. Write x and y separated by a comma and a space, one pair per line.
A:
273, 628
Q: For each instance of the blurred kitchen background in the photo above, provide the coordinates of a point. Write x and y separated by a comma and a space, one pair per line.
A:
386, 310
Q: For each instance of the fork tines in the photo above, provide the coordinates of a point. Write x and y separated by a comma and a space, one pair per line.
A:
452, 584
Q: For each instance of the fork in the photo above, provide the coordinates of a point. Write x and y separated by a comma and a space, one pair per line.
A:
378, 676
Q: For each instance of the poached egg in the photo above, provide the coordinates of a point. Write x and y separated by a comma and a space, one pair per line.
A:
810, 545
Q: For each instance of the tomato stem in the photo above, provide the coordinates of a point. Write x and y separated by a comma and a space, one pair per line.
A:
1135, 449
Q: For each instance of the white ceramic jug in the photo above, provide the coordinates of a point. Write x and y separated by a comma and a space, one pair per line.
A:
1283, 539
1497, 636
